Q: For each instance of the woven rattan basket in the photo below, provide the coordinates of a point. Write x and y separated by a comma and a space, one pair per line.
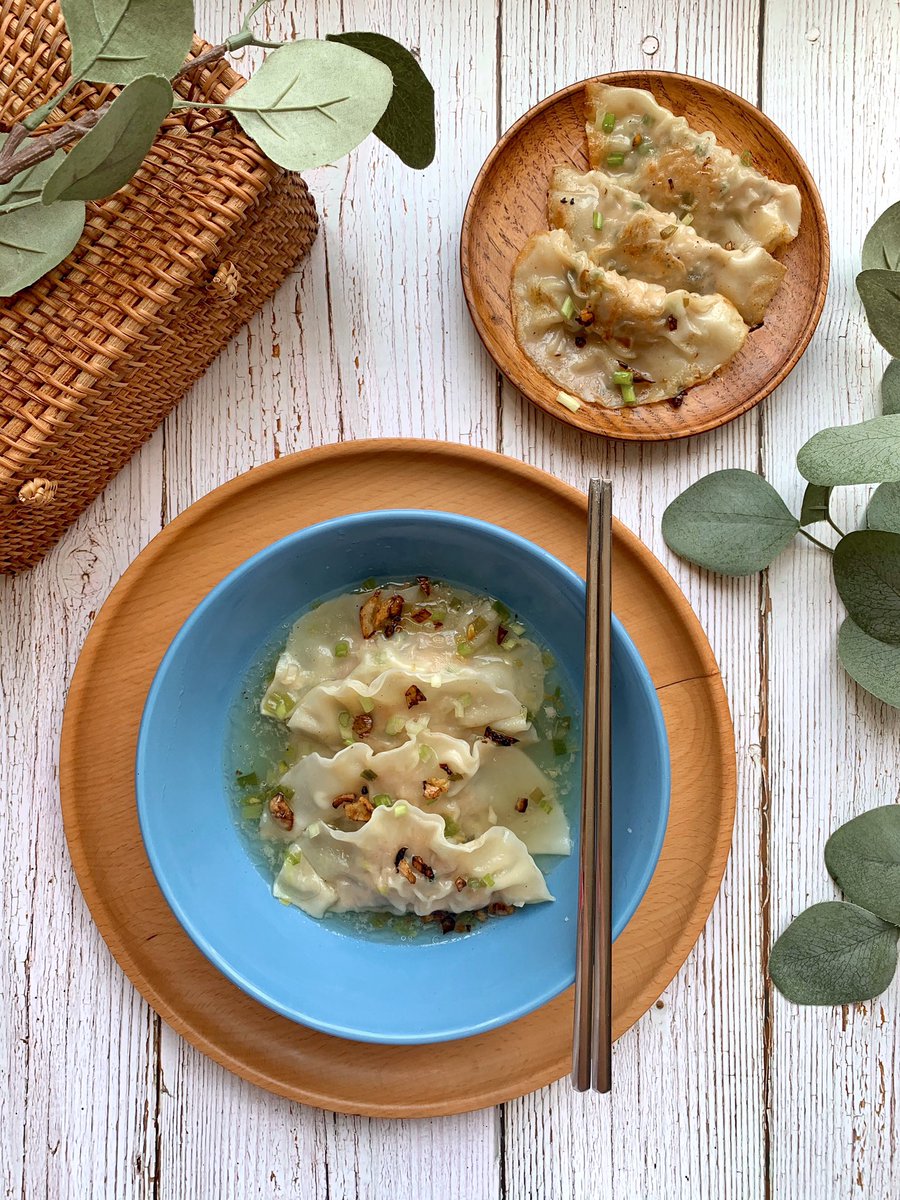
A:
95, 354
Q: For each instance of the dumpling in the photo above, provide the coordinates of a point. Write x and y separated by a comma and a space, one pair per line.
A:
641, 242
401, 862
648, 149
463, 703
471, 787
583, 326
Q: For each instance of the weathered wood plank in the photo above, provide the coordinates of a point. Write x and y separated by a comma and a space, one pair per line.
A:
700, 1055
834, 751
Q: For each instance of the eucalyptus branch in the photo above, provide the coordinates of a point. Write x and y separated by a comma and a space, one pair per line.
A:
815, 541
837, 529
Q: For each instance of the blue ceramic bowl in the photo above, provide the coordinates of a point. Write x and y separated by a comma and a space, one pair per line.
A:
321, 973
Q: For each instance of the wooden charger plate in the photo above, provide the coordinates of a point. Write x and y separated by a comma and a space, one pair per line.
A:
508, 204
99, 736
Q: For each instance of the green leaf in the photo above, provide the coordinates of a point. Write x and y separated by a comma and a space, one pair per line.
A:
311, 102
881, 249
834, 953
867, 573
864, 453
863, 859
815, 504
884, 508
407, 126
117, 41
33, 241
890, 389
874, 665
732, 521
108, 155
880, 294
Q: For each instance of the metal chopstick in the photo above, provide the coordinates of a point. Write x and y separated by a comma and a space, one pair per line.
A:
592, 1048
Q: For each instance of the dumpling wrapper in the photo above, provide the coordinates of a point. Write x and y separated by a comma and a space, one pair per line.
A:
680, 171
492, 779
356, 872
640, 242
420, 655
674, 339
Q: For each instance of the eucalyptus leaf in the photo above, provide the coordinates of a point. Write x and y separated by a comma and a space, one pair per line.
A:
407, 126
109, 154
311, 102
881, 249
874, 665
834, 953
117, 41
864, 453
884, 508
880, 294
815, 504
867, 574
863, 859
33, 241
890, 389
732, 521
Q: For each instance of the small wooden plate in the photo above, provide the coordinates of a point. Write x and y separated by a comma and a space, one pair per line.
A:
106, 699
508, 204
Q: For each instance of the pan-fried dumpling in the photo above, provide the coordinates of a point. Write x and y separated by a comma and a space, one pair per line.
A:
401, 862
641, 242
648, 149
472, 787
582, 326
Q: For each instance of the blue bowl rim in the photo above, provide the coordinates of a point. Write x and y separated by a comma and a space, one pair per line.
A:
422, 516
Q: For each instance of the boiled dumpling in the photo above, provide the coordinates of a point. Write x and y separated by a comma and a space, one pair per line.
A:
471, 787
648, 149
622, 233
581, 326
400, 862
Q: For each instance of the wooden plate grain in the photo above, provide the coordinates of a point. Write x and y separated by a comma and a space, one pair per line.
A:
100, 728
508, 203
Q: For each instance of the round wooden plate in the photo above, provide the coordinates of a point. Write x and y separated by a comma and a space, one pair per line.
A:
508, 204
103, 711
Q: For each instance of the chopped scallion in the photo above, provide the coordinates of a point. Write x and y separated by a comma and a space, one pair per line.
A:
382, 798
251, 812
293, 857
567, 308
451, 829
345, 720
560, 747
251, 779
545, 806
687, 219
501, 610
369, 774
400, 810
425, 752
598, 219
628, 395
366, 703
395, 725
465, 699
487, 880
746, 158
572, 403
667, 231
368, 584
616, 159
464, 649
537, 795
342, 648
609, 122
548, 660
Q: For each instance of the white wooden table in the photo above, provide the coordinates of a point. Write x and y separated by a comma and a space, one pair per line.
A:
723, 1090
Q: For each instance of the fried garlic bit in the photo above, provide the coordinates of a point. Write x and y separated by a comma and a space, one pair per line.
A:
362, 725
281, 811
414, 696
432, 789
356, 808
378, 615
424, 584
